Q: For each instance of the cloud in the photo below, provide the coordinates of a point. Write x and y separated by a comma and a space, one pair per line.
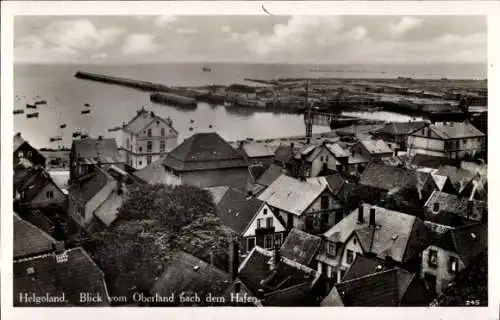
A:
100, 55
80, 35
404, 25
187, 31
163, 21
140, 44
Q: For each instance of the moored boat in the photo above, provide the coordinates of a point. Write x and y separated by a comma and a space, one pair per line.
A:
30, 106
32, 115
19, 111
85, 111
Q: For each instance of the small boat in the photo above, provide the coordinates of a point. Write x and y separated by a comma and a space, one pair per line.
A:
86, 105
210, 126
190, 128
62, 126
206, 69
32, 115
31, 106
54, 139
76, 134
192, 121
19, 111
84, 136
40, 102
85, 111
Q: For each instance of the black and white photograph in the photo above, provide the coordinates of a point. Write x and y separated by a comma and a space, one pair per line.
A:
249, 160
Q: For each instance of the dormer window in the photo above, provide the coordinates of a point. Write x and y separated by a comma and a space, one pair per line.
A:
150, 132
331, 249
453, 265
435, 207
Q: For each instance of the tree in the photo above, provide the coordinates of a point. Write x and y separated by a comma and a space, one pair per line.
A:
153, 222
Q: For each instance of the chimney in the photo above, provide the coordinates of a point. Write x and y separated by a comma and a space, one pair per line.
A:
99, 138
234, 256
276, 257
372, 216
292, 145
361, 218
470, 207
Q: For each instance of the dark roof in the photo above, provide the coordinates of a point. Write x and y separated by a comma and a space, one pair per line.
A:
335, 182
104, 150
17, 142
236, 210
301, 295
29, 240
86, 188
31, 181
424, 160
468, 241
270, 175
363, 266
255, 273
453, 204
391, 178
186, 273
217, 193
256, 171
204, 151
300, 246
459, 177
401, 128
456, 130
70, 272
153, 173
284, 153
144, 118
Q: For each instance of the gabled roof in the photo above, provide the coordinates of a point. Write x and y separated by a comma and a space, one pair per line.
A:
143, 119
468, 241
259, 149
236, 210
272, 173
104, 150
385, 288
337, 150
363, 266
284, 153
186, 273
29, 240
397, 235
291, 195
256, 171
86, 188
453, 204
401, 128
31, 181
217, 193
334, 181
70, 272
107, 212
456, 130
391, 178
375, 146
458, 177
300, 246
17, 142
204, 151
428, 161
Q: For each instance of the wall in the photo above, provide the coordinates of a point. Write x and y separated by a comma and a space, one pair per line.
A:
426, 146
233, 177
441, 271
41, 199
97, 200
352, 244
278, 226
317, 163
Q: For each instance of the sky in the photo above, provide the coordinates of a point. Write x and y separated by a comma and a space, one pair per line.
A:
251, 39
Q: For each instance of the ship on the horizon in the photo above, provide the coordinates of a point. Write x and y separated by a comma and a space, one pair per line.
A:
206, 69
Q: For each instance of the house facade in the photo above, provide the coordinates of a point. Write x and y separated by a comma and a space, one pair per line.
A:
398, 132
452, 140
25, 154
145, 139
313, 159
206, 160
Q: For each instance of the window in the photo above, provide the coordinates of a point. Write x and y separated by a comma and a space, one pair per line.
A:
278, 239
250, 243
349, 257
355, 241
321, 158
264, 212
325, 202
20, 154
148, 159
30, 270
259, 223
269, 222
162, 132
453, 265
149, 146
30, 153
50, 194
331, 249
162, 145
140, 149
433, 259
128, 143
342, 273
140, 163
268, 241
150, 132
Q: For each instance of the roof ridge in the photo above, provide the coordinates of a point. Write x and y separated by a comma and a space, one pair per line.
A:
369, 275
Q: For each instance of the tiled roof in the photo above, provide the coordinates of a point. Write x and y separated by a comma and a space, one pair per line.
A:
31, 181
29, 240
337, 150
236, 210
217, 193
284, 153
397, 234
301, 295
204, 151
259, 149
272, 173
390, 178
468, 241
142, 119
87, 188
401, 128
105, 150
363, 266
256, 171
376, 146
70, 272
458, 177
186, 273
456, 130
107, 212
450, 203
153, 173
255, 273
334, 181
424, 160
300, 246
291, 195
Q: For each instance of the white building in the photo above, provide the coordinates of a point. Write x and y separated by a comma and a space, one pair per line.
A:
145, 139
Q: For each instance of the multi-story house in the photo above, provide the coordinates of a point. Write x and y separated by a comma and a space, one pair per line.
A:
374, 231
145, 139
398, 132
310, 207
373, 149
452, 252
452, 140
25, 154
252, 219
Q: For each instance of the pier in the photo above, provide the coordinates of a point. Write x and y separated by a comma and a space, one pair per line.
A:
136, 84
173, 99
